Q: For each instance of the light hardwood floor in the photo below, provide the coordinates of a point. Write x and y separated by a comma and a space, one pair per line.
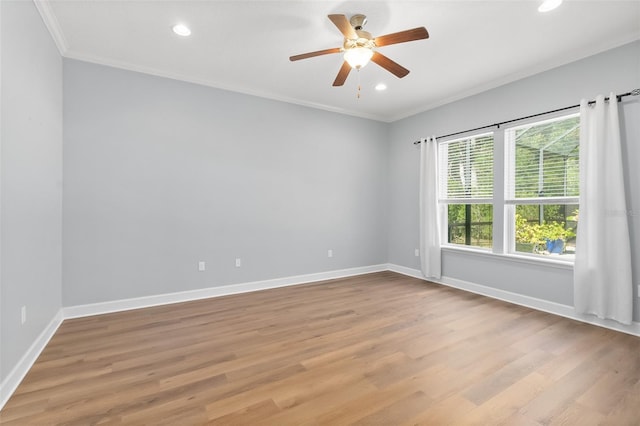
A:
374, 349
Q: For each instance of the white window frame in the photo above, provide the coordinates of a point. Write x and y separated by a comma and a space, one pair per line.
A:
504, 203
444, 201
510, 200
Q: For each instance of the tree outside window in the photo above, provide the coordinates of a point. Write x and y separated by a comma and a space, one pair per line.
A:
543, 185
541, 188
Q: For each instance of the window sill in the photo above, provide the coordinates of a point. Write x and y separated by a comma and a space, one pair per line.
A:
518, 258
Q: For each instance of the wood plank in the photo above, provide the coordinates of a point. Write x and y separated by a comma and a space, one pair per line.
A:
378, 348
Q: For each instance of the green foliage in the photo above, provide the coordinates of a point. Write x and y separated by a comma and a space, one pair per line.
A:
536, 233
546, 162
550, 149
481, 227
575, 216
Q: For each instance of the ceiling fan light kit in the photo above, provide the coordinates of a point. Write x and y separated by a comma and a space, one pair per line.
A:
359, 46
358, 57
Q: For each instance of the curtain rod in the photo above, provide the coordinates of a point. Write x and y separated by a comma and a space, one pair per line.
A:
634, 92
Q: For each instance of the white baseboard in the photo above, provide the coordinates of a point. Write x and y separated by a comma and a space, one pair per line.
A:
11, 382
415, 273
205, 293
519, 299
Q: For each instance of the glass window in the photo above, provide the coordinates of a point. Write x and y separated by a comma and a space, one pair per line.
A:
466, 189
470, 224
542, 186
541, 171
546, 228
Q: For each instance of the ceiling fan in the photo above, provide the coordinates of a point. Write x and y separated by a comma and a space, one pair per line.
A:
359, 47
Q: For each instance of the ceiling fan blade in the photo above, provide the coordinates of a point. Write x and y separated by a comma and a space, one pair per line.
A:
316, 53
342, 74
401, 37
344, 26
389, 65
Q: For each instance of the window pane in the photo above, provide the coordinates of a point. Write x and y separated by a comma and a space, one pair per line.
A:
470, 224
546, 159
466, 168
546, 229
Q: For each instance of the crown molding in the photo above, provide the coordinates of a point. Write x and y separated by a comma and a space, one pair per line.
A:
127, 66
574, 56
52, 24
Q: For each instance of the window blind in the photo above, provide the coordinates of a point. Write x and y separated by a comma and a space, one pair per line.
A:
466, 169
544, 161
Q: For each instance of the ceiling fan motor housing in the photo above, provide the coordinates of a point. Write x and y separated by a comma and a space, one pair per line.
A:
358, 21
365, 39
359, 46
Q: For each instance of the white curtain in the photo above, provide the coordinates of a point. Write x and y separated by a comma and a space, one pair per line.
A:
430, 261
602, 270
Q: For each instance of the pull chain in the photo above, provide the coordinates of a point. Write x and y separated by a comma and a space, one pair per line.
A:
358, 93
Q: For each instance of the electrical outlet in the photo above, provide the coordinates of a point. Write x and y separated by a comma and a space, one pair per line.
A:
329, 253
416, 252
238, 262
201, 266
23, 314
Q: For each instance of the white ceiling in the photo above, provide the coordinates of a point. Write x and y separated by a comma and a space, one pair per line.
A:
245, 45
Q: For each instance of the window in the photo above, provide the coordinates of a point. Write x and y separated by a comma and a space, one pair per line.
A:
540, 165
542, 186
466, 189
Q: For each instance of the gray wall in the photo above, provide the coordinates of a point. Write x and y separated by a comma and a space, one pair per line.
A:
31, 180
617, 70
159, 174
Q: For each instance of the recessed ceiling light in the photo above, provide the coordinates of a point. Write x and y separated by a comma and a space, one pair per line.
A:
380, 87
181, 30
549, 5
